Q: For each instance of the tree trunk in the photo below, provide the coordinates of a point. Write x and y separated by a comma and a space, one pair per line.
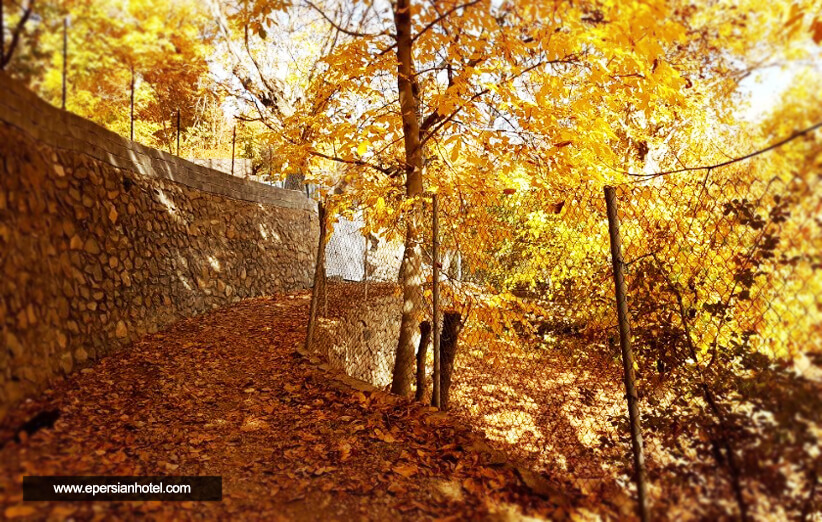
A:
451, 325
319, 278
411, 272
411, 281
425, 338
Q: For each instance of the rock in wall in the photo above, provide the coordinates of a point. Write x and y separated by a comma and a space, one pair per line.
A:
103, 240
359, 334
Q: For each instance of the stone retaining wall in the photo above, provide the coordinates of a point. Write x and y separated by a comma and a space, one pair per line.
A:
359, 335
103, 240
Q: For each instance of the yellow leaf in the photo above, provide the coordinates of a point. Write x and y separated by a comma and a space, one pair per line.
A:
363, 147
455, 152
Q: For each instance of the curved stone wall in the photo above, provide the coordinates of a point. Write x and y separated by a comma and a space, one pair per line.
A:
103, 240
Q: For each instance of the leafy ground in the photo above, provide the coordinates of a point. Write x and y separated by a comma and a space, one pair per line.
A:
226, 394
548, 410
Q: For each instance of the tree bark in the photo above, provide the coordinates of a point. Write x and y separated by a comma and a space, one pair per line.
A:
319, 278
451, 326
422, 351
411, 272
6, 53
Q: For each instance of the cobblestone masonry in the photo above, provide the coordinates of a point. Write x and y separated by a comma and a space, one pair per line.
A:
102, 240
359, 335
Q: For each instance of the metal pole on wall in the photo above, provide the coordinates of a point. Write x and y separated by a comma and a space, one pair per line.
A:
319, 272
65, 58
132, 102
627, 353
178, 132
233, 142
435, 398
365, 266
2, 38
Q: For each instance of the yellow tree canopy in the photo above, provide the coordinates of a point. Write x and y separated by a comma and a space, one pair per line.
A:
166, 43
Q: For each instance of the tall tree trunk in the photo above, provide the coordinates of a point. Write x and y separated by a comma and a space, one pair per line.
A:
422, 351
411, 272
451, 326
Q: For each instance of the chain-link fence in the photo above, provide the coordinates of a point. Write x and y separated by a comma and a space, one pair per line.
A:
538, 368
724, 278
356, 299
722, 273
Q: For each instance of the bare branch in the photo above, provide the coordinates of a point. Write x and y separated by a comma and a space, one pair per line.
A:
443, 16
750, 155
342, 29
15, 35
359, 163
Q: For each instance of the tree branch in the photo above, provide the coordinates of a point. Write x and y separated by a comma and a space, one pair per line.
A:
443, 16
730, 161
15, 35
359, 163
340, 28
442, 121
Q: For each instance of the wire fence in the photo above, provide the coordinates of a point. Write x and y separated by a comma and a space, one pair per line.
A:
722, 273
724, 278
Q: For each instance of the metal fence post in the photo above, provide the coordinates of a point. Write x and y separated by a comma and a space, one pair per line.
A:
178, 133
2, 39
435, 399
65, 58
132, 102
319, 272
627, 353
233, 142
365, 266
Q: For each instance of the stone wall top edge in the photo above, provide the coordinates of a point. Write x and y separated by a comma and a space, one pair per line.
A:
23, 109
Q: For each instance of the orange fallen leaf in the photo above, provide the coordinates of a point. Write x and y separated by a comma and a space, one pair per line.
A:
345, 451
472, 486
384, 436
19, 511
406, 470
62, 512
253, 424
397, 488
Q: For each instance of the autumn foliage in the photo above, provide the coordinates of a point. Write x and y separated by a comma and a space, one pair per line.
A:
517, 114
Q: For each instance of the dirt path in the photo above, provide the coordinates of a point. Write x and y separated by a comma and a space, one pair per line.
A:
226, 394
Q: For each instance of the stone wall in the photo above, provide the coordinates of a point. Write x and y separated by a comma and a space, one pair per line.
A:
103, 240
358, 334
243, 167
